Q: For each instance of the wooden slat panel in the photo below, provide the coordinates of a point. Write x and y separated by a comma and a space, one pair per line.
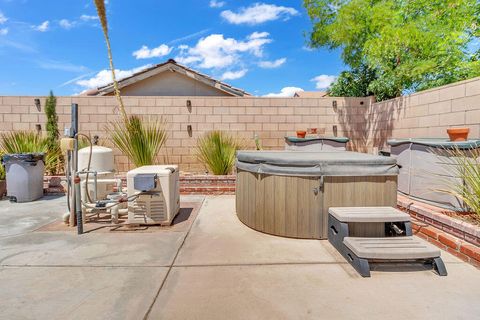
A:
316, 221
303, 203
251, 196
259, 201
291, 207
280, 200
240, 194
269, 206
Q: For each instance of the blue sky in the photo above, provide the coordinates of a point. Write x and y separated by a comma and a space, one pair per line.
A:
257, 46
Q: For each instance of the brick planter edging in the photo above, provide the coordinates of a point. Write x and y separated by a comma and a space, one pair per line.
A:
189, 184
459, 248
433, 216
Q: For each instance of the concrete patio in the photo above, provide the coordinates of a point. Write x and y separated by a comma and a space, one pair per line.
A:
213, 268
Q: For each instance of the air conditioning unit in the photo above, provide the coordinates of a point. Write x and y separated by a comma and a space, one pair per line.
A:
159, 194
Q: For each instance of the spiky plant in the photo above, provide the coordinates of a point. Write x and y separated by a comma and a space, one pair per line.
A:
139, 140
31, 142
465, 164
216, 150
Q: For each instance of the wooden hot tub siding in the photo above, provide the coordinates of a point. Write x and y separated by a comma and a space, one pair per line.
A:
288, 206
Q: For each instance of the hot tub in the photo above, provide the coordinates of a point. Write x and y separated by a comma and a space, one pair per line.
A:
288, 193
425, 169
316, 144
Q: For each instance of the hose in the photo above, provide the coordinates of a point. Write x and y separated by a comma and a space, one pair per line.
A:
88, 165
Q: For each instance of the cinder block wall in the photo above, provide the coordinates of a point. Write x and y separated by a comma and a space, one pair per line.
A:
367, 124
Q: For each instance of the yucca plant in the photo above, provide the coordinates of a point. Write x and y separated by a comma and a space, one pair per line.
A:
465, 164
31, 142
140, 141
216, 150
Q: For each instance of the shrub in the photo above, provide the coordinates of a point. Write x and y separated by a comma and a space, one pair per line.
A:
216, 150
139, 140
465, 164
31, 142
52, 118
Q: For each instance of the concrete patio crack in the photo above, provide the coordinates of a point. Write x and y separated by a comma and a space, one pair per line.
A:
170, 267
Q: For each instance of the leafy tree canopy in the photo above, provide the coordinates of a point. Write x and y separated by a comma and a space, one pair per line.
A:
392, 46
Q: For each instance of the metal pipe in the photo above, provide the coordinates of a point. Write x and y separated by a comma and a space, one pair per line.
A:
73, 134
78, 205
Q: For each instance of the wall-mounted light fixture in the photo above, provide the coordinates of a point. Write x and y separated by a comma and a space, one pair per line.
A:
189, 105
189, 130
334, 105
335, 131
38, 128
37, 104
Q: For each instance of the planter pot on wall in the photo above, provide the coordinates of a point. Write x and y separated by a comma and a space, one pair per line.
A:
458, 134
301, 134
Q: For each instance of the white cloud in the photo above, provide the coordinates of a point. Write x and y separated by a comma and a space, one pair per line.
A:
232, 75
86, 17
145, 53
3, 19
285, 92
323, 81
272, 64
258, 13
216, 4
43, 26
215, 51
3, 31
66, 24
104, 77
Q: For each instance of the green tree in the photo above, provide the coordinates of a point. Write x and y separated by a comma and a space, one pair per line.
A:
408, 44
52, 118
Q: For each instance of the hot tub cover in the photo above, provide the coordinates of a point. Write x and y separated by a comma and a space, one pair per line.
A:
336, 139
295, 163
437, 143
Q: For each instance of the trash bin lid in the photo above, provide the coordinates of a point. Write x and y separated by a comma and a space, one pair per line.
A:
25, 157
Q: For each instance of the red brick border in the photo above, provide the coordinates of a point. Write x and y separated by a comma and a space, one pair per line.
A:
194, 184
459, 248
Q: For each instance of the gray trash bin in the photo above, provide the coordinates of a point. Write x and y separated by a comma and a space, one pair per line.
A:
24, 176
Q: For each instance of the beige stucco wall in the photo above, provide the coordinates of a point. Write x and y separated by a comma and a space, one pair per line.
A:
171, 84
368, 125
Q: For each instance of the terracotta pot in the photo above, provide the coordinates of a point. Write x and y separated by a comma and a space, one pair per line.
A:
458, 134
3, 188
301, 134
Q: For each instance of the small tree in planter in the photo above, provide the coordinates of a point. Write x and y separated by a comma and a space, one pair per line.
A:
52, 135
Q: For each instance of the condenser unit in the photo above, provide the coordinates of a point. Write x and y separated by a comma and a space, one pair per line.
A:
158, 191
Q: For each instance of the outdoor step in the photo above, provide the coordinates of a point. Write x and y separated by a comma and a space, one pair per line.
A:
368, 214
392, 248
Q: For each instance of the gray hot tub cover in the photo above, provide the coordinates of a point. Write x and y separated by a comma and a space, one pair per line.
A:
288, 163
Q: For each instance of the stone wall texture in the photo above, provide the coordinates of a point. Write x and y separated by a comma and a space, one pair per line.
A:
368, 124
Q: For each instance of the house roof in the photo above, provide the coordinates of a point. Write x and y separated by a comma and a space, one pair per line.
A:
310, 94
173, 66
